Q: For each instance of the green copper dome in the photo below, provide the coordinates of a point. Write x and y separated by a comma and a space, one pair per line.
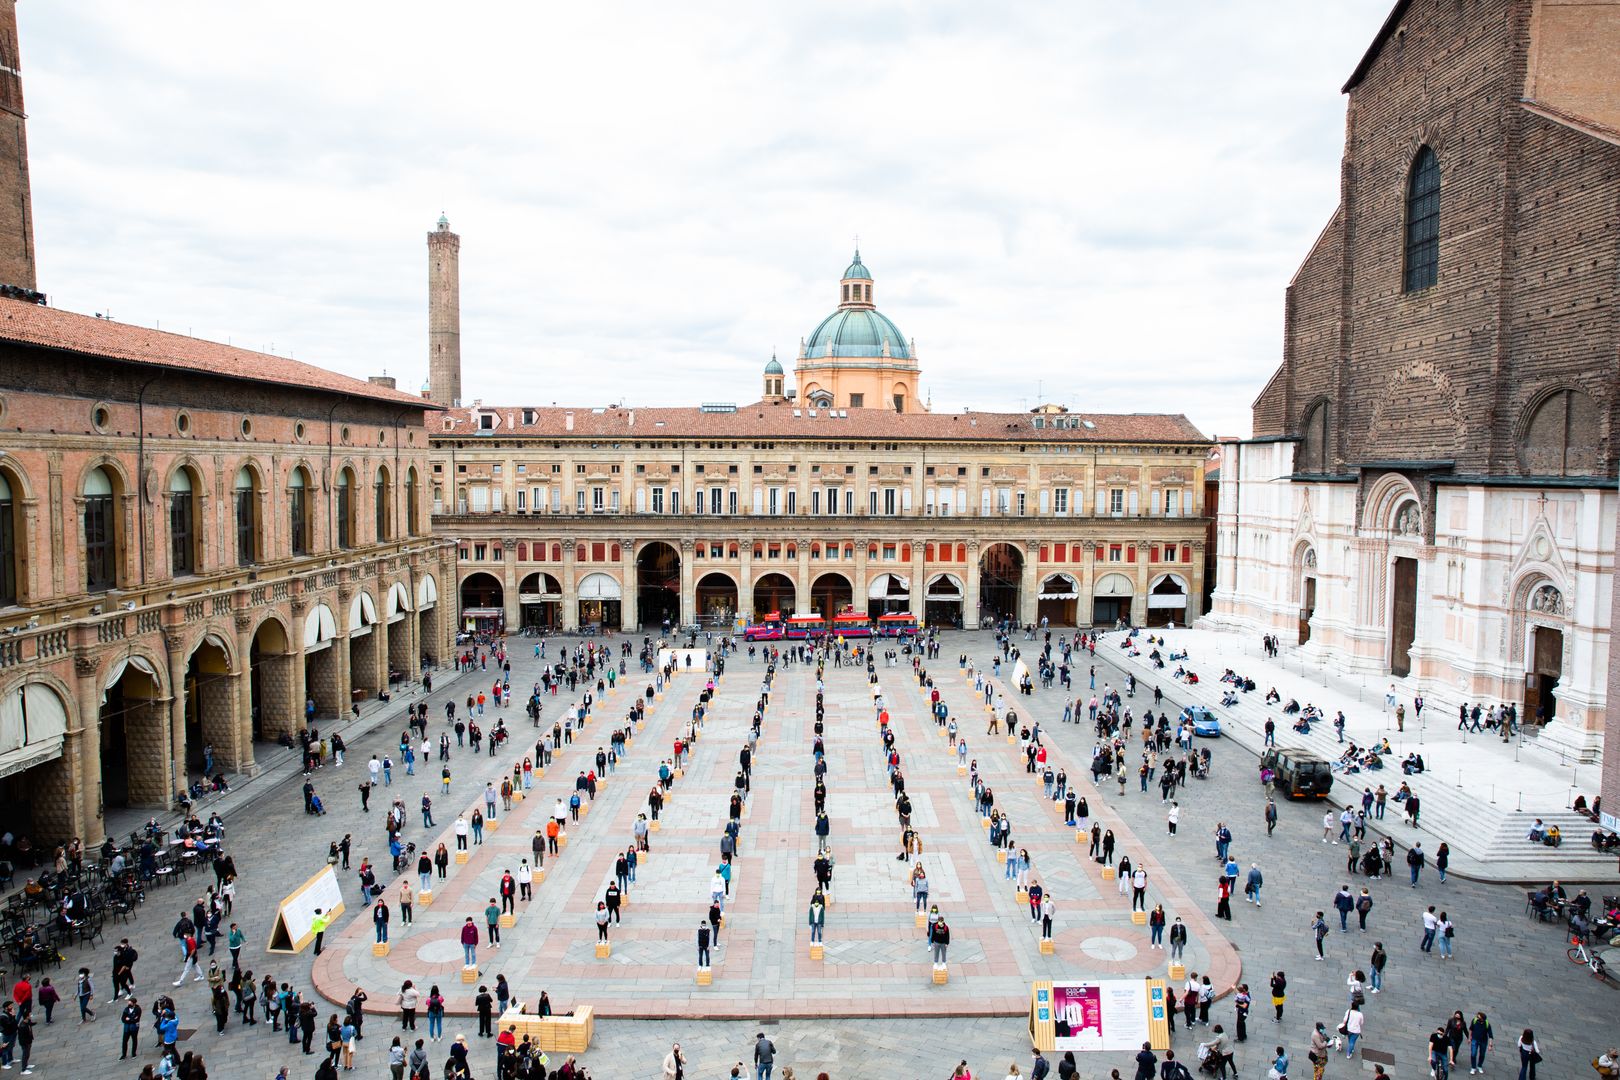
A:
773, 368
852, 331
857, 269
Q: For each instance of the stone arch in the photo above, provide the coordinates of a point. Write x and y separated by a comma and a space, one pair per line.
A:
1560, 432
1524, 613
1384, 503
114, 468
1303, 564
1316, 437
1417, 414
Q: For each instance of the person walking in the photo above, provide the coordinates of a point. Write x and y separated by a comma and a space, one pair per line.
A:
1431, 926
1351, 1026
1480, 1039
1529, 1055
1319, 928
85, 992
1253, 884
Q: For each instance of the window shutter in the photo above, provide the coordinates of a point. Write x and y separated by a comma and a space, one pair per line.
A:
905, 500
759, 500
1133, 501
1044, 501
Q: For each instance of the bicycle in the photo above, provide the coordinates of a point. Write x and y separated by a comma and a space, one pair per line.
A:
1580, 954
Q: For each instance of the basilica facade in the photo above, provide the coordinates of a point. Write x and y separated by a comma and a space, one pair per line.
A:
1429, 496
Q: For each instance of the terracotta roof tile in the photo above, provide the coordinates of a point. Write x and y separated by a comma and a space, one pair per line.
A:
788, 422
52, 328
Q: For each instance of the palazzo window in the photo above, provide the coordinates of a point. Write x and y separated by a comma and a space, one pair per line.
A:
1423, 221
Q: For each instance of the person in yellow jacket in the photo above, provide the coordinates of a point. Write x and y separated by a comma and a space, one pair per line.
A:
319, 924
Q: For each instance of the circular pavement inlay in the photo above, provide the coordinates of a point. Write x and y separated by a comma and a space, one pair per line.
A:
440, 952
1108, 948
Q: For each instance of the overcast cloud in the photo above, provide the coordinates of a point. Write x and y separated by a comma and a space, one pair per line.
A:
1096, 204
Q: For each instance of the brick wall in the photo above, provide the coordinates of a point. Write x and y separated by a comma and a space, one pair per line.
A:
1529, 233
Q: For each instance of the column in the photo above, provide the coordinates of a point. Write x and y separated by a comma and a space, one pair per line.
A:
1139, 597
919, 604
509, 585
630, 603
1195, 583
858, 590
83, 744
570, 587
688, 583
345, 677
300, 692
970, 582
801, 578
241, 752
745, 578
1086, 579
174, 710
1029, 583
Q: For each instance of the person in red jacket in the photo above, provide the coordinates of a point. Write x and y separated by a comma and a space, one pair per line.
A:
469, 942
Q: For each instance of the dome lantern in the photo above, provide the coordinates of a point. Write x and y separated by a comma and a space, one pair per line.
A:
855, 287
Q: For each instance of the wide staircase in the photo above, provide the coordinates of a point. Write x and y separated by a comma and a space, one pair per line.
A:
1482, 821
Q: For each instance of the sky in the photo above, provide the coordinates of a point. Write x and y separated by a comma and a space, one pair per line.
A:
1094, 204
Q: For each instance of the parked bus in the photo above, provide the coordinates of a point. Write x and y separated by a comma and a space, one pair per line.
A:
769, 628
800, 627
896, 623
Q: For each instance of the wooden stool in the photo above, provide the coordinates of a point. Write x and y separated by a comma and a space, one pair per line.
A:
379, 949
425, 898
584, 810
986, 823
469, 974
1178, 972
704, 977
1081, 836
1011, 737
1046, 947
653, 826
537, 875
1139, 918
1023, 897
507, 919
1108, 873
961, 770
462, 857
603, 950
562, 841
817, 951
941, 975
1001, 855
492, 825
922, 920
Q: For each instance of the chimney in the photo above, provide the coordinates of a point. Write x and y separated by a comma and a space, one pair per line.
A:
386, 381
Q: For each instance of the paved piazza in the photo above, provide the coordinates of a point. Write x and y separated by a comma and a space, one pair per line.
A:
875, 963
875, 978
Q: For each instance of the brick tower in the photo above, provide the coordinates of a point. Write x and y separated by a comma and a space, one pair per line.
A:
444, 313
16, 204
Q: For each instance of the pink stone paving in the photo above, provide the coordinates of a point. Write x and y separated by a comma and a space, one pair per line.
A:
876, 962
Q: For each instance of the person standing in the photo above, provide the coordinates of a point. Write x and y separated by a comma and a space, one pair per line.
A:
703, 943
1178, 940
131, 1017
1415, 860
1319, 928
1431, 926
1279, 995
1444, 932
1352, 1026
1375, 966
1139, 879
469, 942
817, 916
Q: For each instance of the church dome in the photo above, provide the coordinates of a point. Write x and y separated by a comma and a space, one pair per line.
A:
855, 331
773, 367
857, 270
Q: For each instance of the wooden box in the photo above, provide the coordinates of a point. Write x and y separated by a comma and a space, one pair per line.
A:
603, 950
705, 977
462, 857
941, 976
817, 951
379, 948
469, 974
507, 920
1046, 946
425, 898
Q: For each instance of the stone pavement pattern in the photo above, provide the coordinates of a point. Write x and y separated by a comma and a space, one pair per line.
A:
1511, 968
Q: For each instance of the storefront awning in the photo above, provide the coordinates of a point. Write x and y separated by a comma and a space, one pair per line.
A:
889, 587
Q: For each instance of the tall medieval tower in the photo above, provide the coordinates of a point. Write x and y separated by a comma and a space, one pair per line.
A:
444, 314
16, 204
